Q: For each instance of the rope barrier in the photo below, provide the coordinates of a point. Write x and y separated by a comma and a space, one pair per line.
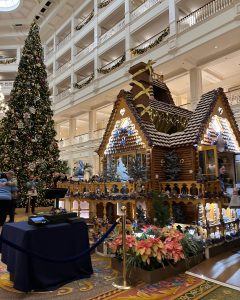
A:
70, 259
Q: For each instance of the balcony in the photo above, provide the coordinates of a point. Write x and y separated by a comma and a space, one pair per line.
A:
84, 52
6, 86
63, 68
49, 54
81, 138
63, 42
144, 7
62, 95
119, 26
202, 14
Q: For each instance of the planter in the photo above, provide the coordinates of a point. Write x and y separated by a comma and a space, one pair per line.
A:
138, 274
214, 250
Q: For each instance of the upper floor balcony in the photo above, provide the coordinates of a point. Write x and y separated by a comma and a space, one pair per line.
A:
6, 86
83, 138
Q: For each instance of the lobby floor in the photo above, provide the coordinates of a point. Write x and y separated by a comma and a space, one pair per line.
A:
223, 269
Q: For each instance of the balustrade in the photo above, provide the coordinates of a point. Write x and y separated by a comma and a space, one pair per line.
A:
62, 95
85, 51
202, 13
112, 31
144, 7
63, 42
81, 138
98, 133
233, 97
49, 54
6, 84
63, 68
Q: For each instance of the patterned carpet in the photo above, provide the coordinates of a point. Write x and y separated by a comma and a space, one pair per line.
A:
99, 287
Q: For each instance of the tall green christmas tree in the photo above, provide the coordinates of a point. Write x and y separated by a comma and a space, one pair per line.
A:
27, 139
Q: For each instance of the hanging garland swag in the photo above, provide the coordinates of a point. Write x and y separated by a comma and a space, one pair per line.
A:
7, 61
108, 70
80, 86
104, 3
135, 51
88, 19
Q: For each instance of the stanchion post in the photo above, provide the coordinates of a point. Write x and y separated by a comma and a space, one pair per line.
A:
123, 284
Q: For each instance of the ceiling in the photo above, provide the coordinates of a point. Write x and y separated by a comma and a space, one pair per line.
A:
219, 60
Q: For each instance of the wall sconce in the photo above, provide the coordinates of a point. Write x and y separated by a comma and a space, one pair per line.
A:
162, 162
181, 161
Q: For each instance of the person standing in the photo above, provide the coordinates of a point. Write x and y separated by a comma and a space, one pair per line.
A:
32, 194
6, 190
12, 181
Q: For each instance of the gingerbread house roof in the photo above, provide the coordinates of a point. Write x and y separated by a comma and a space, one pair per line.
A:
196, 121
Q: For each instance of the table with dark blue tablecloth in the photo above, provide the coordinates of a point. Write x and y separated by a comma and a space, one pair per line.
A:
58, 241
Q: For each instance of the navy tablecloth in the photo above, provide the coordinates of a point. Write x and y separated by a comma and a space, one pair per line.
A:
58, 241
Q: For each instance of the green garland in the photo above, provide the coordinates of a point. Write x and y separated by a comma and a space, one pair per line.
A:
118, 64
7, 61
135, 51
104, 3
87, 20
79, 86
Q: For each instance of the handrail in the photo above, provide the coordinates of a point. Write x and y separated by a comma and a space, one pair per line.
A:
63, 42
112, 31
202, 13
142, 8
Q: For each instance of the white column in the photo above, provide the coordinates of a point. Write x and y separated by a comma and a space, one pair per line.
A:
97, 34
72, 130
128, 39
195, 76
172, 17
18, 54
92, 123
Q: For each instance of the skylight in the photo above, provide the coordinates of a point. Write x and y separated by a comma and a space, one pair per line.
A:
8, 5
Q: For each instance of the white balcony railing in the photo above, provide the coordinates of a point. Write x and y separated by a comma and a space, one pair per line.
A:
202, 13
144, 7
81, 138
63, 42
85, 51
64, 143
98, 134
49, 54
6, 84
62, 95
50, 77
112, 31
233, 97
63, 68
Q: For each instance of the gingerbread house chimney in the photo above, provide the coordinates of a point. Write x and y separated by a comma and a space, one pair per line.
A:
142, 89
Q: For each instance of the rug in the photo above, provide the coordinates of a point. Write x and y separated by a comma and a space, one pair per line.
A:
85, 289
178, 287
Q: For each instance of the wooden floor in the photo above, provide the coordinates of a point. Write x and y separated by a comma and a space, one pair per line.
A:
224, 268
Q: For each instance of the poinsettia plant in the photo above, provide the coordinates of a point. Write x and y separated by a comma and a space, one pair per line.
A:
155, 247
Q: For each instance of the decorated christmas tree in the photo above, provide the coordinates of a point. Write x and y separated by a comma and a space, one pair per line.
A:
27, 139
136, 170
172, 168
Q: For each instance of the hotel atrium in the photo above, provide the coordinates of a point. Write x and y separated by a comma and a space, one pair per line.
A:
90, 45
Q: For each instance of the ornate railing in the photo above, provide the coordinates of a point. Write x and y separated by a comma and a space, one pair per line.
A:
112, 31
63, 42
63, 67
202, 13
82, 138
85, 51
6, 84
64, 143
112, 65
233, 97
85, 21
49, 54
98, 134
150, 43
62, 95
144, 7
